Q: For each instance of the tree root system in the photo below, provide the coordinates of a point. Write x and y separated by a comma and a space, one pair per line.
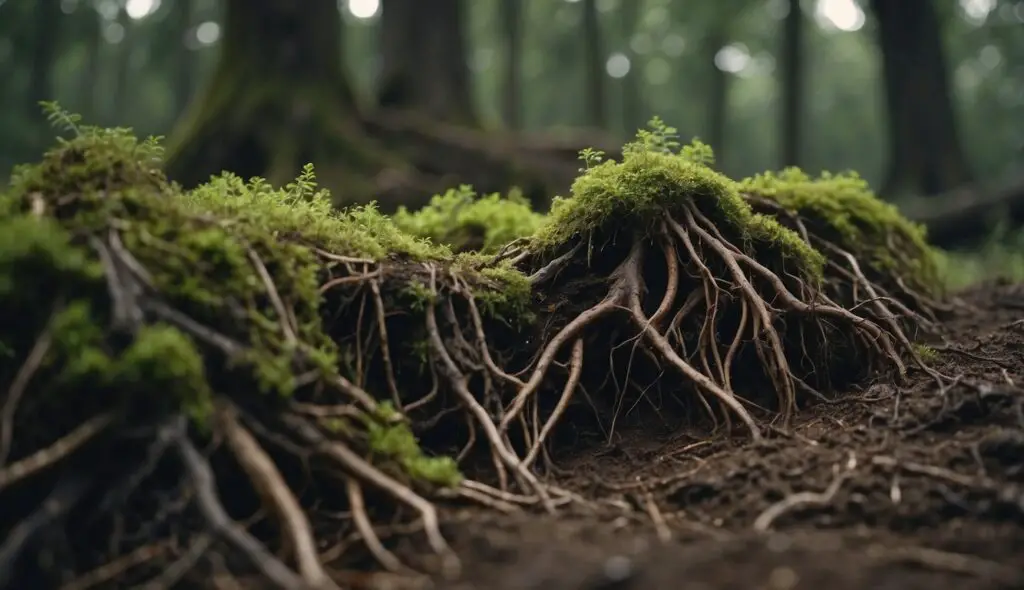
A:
232, 384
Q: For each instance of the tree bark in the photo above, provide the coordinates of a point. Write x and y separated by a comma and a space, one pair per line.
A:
512, 23
423, 53
926, 156
792, 84
44, 53
278, 99
596, 101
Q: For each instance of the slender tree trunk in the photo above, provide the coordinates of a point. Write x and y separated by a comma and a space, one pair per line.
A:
718, 92
792, 84
632, 99
597, 107
44, 53
512, 22
184, 76
90, 73
926, 156
423, 50
123, 65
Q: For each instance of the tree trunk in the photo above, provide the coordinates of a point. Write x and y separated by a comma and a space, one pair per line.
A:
926, 156
44, 52
632, 98
596, 102
184, 76
512, 21
124, 55
718, 93
278, 99
792, 84
424, 69
91, 71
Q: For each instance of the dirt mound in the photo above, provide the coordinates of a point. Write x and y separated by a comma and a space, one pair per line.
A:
238, 384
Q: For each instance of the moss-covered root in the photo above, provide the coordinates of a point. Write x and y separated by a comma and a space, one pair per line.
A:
875, 256
142, 328
736, 293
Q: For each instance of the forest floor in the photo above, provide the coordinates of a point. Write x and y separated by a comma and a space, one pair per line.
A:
891, 487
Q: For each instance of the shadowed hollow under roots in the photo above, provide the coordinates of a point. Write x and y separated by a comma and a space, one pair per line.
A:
245, 434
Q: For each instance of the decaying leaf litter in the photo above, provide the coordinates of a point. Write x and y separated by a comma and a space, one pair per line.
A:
238, 382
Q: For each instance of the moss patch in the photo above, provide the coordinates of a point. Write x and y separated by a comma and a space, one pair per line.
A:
843, 209
465, 221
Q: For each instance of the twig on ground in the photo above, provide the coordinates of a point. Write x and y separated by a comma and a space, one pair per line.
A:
766, 519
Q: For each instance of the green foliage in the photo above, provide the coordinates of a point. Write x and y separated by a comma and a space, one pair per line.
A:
461, 219
843, 208
651, 178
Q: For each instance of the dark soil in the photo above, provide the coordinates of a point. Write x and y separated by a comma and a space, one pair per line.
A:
903, 487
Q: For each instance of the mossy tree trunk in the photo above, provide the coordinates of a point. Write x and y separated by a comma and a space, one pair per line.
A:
926, 156
596, 102
511, 93
792, 84
423, 50
278, 99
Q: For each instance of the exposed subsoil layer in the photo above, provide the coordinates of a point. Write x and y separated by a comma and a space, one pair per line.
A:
889, 487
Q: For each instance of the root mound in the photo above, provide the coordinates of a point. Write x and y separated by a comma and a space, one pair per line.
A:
659, 260
875, 257
238, 381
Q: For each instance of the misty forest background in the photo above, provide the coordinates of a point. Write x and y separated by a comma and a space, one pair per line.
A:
924, 98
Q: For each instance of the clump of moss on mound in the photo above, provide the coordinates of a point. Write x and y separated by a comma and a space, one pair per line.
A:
659, 259
467, 222
143, 324
876, 256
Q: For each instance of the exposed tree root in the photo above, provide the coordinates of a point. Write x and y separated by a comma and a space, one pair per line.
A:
265, 426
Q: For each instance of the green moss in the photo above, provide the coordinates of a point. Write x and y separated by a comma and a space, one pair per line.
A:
303, 209
633, 195
860, 222
391, 437
95, 229
468, 222
927, 353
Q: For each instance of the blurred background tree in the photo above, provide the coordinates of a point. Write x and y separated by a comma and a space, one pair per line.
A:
920, 96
